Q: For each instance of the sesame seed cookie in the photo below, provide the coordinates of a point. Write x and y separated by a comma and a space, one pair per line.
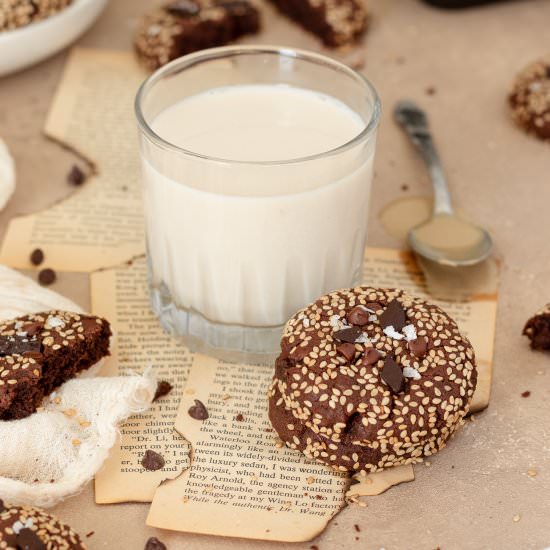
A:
39, 352
370, 378
336, 22
530, 99
537, 329
33, 529
184, 26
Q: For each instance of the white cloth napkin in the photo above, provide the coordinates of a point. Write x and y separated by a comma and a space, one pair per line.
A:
53, 453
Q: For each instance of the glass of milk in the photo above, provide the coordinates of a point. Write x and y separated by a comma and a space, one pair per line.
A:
257, 167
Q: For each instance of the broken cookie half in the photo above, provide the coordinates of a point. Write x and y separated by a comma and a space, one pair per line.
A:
41, 351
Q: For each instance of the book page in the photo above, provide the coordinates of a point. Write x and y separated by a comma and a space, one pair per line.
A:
121, 296
241, 474
101, 223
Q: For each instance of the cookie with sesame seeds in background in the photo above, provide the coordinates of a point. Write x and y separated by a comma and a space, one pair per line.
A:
33, 529
40, 351
371, 378
530, 99
185, 26
336, 22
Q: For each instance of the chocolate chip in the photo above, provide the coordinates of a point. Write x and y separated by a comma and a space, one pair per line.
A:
76, 176
347, 351
358, 316
239, 418
154, 544
182, 8
27, 539
20, 345
163, 388
526, 393
2, 506
32, 329
198, 411
393, 316
46, 276
418, 346
298, 353
371, 356
152, 461
348, 334
37, 256
393, 375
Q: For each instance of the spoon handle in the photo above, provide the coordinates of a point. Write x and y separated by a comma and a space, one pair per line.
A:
415, 122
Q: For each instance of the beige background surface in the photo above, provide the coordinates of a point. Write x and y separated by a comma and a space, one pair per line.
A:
470, 494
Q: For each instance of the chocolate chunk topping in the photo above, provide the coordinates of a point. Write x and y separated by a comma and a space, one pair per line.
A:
393, 375
358, 316
152, 461
37, 256
182, 8
374, 306
371, 356
27, 539
76, 176
419, 346
298, 353
347, 351
154, 544
32, 329
163, 388
348, 334
198, 411
46, 276
21, 345
393, 316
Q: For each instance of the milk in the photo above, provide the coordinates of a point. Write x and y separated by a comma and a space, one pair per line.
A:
250, 240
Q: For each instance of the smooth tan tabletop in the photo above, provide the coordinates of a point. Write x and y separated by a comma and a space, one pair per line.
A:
459, 66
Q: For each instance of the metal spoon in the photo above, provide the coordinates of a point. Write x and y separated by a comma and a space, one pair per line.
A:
445, 238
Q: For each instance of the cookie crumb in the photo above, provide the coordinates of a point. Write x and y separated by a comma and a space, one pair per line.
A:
47, 276
37, 256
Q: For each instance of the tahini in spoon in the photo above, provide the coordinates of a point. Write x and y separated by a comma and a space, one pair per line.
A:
445, 238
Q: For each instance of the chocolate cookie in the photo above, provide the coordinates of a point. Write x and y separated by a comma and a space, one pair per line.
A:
371, 378
530, 99
335, 22
18, 13
537, 329
39, 352
186, 26
25, 527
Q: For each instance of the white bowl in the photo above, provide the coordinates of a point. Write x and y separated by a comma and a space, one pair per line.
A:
32, 43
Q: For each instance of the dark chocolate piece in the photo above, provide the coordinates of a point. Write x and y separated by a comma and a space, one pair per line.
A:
198, 411
347, 351
37, 256
371, 356
46, 276
27, 539
349, 335
163, 388
154, 544
392, 374
152, 461
393, 316
76, 176
359, 316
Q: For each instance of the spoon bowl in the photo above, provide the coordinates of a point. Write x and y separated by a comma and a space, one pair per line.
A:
448, 240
